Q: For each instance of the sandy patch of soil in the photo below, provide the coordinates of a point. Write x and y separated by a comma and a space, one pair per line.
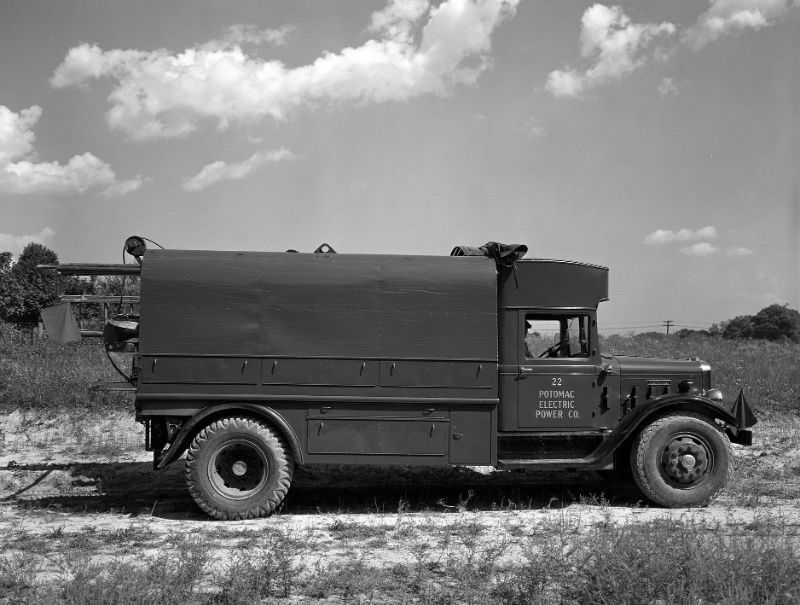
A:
59, 483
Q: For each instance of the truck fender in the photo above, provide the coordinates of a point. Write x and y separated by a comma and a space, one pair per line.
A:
206, 415
682, 402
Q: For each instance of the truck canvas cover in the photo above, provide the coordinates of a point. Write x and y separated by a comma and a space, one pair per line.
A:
200, 303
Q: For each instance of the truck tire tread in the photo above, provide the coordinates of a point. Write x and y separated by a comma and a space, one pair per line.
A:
282, 466
649, 484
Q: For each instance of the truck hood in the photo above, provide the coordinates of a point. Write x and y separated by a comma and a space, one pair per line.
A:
663, 375
629, 365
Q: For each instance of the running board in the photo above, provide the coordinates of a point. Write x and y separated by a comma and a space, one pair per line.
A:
592, 463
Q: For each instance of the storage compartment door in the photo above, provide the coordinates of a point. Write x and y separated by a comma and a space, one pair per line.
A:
378, 436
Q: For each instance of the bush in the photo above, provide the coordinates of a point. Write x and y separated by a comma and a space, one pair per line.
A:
775, 322
24, 290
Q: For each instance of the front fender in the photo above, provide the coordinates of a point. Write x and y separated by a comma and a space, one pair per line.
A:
206, 415
682, 402
668, 404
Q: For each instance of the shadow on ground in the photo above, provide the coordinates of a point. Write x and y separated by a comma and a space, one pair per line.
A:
135, 488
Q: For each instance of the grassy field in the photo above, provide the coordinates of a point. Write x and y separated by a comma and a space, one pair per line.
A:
460, 560
491, 542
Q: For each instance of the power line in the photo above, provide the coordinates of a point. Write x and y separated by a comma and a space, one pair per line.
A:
667, 324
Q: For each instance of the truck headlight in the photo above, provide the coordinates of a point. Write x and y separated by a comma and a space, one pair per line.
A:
713, 394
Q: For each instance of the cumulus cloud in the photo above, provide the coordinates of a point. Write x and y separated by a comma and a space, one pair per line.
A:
16, 243
614, 46
417, 49
700, 249
224, 171
124, 187
666, 236
21, 172
725, 17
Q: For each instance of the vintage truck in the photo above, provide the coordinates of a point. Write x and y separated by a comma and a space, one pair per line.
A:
252, 363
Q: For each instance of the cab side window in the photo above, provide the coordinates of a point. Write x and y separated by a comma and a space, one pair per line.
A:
548, 336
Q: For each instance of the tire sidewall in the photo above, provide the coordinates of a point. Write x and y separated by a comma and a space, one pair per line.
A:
218, 435
646, 461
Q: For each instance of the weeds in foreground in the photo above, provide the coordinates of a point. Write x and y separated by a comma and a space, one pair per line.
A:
169, 578
266, 567
669, 561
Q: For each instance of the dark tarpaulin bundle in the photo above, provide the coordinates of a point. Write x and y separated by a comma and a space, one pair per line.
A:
505, 255
60, 323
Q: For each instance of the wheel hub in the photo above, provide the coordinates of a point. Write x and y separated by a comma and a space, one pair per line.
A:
685, 460
237, 469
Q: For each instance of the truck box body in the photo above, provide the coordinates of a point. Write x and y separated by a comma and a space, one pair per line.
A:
356, 351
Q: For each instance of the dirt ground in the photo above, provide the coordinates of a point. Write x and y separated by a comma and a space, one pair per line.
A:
67, 476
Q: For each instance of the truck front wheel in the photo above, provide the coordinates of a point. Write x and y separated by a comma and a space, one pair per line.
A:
680, 460
238, 468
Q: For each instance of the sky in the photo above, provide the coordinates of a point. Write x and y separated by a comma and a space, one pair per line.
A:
657, 138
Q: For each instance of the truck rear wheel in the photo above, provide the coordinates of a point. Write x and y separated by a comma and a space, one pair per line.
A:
238, 468
680, 460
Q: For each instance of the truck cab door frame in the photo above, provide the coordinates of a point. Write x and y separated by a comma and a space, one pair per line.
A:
564, 389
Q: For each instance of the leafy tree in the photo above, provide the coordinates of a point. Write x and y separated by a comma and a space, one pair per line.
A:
777, 322
24, 290
115, 285
687, 333
5, 262
740, 326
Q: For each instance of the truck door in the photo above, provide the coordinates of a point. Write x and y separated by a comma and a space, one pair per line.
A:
559, 368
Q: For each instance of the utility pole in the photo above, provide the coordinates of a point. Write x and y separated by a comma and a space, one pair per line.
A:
667, 324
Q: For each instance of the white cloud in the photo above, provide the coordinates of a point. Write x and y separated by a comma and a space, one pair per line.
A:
163, 94
397, 20
16, 132
16, 243
725, 17
665, 236
738, 251
667, 87
700, 249
223, 171
615, 45
21, 173
121, 188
